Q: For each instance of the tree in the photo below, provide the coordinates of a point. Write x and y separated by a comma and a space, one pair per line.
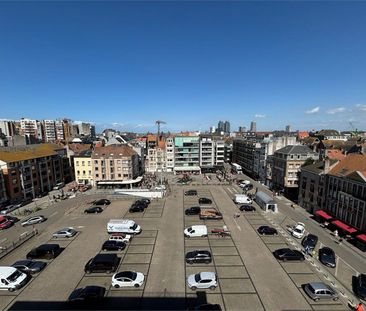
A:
307, 162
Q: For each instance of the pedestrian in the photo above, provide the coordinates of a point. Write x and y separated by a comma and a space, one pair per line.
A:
359, 307
336, 233
307, 249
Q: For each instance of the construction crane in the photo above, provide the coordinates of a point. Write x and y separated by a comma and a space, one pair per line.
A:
354, 131
158, 122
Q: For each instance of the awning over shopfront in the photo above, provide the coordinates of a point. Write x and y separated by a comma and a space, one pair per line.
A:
323, 215
120, 182
361, 237
344, 227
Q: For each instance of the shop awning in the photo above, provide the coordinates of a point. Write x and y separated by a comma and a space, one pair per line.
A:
361, 237
323, 215
344, 227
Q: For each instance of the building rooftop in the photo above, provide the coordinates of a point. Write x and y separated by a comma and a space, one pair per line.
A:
318, 167
295, 149
22, 153
350, 164
335, 154
113, 151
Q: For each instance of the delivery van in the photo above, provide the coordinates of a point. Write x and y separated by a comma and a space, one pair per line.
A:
123, 226
195, 231
242, 199
11, 278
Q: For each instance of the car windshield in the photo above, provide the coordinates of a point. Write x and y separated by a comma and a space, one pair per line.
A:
197, 277
14, 276
311, 289
134, 227
127, 274
298, 230
190, 229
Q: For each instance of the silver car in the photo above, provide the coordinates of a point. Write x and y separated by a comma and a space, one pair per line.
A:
33, 220
320, 290
65, 233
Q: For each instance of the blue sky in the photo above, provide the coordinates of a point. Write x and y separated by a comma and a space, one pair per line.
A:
191, 64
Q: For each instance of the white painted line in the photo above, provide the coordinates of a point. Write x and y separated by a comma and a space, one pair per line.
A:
24, 233
230, 190
237, 225
80, 227
3, 240
53, 214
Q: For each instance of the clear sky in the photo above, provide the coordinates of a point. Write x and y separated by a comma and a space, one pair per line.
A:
191, 64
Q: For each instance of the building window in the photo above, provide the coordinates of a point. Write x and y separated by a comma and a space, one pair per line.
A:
14, 181
88, 163
89, 172
16, 190
77, 162
96, 175
78, 173
84, 172
82, 163
96, 162
119, 175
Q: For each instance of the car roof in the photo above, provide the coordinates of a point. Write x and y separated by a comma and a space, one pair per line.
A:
319, 285
22, 262
199, 227
48, 246
208, 275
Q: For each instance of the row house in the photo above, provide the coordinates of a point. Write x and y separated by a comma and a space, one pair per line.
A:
83, 167
212, 153
114, 166
156, 158
169, 152
30, 171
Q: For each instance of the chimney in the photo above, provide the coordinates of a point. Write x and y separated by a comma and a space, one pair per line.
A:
326, 165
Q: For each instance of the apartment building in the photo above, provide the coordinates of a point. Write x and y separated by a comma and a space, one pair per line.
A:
287, 162
156, 158
32, 170
346, 191
114, 166
187, 154
49, 130
212, 153
59, 127
83, 167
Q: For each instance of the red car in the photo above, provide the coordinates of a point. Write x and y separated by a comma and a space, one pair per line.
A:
5, 223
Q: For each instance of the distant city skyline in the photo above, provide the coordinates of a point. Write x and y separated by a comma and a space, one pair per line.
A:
124, 65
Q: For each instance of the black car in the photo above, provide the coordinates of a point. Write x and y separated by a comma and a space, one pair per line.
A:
198, 257
267, 230
247, 208
204, 201
45, 251
87, 294
12, 219
29, 266
327, 257
101, 202
93, 210
136, 208
112, 245
248, 187
146, 200
102, 263
359, 286
143, 203
288, 254
309, 241
190, 192
194, 210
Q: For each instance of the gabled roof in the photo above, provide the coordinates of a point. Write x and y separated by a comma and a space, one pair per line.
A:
318, 167
327, 133
351, 163
295, 149
310, 140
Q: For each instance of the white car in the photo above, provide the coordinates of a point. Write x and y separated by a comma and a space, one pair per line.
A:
33, 220
298, 230
65, 233
128, 279
202, 280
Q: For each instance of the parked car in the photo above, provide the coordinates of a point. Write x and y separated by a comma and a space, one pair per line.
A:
309, 242
128, 279
146, 200
65, 233
359, 286
5, 223
194, 210
320, 290
120, 237
101, 202
267, 230
204, 201
8, 209
87, 294
33, 220
202, 280
45, 251
298, 230
190, 192
93, 210
288, 254
136, 209
106, 263
207, 214
247, 208
59, 186
11, 218
327, 257
29, 266
247, 187
198, 256
111, 245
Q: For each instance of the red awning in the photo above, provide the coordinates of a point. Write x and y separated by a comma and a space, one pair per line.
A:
361, 237
344, 227
323, 214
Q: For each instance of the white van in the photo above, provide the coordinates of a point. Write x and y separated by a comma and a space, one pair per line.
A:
123, 226
242, 199
11, 278
195, 231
